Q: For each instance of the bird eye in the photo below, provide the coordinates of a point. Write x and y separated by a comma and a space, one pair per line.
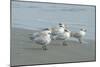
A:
66, 30
60, 26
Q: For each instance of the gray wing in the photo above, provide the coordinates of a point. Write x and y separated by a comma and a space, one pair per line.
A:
75, 34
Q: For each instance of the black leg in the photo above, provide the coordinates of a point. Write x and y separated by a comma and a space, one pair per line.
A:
80, 40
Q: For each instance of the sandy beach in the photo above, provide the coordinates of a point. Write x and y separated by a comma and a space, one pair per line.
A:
25, 52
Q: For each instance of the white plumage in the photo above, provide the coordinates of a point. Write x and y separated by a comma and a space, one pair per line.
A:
42, 38
63, 36
57, 30
79, 35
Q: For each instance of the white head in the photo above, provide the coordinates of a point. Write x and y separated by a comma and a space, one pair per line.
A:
83, 29
47, 31
61, 25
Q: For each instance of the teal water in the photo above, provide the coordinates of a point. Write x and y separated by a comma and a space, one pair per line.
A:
42, 15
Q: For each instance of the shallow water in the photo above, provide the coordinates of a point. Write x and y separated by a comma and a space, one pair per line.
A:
42, 15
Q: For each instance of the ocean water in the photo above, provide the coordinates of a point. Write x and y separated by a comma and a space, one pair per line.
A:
32, 15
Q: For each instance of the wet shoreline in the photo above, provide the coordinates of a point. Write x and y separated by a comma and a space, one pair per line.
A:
24, 51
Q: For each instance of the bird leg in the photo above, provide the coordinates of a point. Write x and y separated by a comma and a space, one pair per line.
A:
80, 40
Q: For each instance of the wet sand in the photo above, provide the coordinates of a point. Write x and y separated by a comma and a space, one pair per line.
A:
25, 52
